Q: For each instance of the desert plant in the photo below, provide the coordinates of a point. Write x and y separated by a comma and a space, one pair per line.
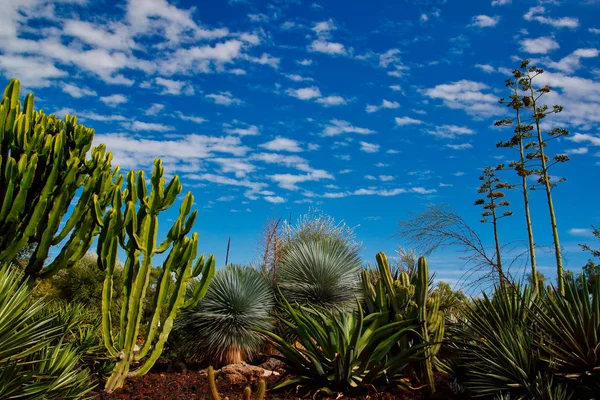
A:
37, 358
570, 332
43, 166
407, 298
219, 328
214, 394
342, 351
134, 226
492, 188
322, 273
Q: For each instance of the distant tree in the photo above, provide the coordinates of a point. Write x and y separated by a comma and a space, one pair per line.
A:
492, 188
592, 268
537, 149
522, 135
441, 226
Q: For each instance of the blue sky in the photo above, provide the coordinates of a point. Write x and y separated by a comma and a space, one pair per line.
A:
366, 110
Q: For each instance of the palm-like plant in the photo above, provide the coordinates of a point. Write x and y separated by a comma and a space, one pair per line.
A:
36, 360
323, 273
342, 351
218, 329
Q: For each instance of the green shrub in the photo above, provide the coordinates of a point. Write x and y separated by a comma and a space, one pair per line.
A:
321, 273
38, 360
218, 329
342, 351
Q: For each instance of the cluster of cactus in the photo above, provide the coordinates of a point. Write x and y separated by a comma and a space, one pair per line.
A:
247, 395
407, 297
132, 224
43, 166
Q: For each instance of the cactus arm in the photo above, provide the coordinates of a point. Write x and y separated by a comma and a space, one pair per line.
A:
208, 272
214, 394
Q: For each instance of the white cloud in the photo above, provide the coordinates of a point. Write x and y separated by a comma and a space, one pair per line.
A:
324, 27
154, 109
585, 137
253, 187
466, 95
450, 131
541, 45
274, 199
379, 192
538, 14
500, 2
578, 150
265, 59
97, 36
77, 91
192, 118
251, 130
338, 127
305, 62
32, 71
147, 126
237, 166
386, 178
486, 68
291, 181
307, 93
298, 78
594, 30
223, 98
402, 121
392, 56
581, 232
572, 62
113, 100
329, 101
174, 87
369, 147
485, 21
323, 46
462, 146
396, 88
282, 144
384, 104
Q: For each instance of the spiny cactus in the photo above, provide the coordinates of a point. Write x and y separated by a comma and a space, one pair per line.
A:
43, 165
405, 298
132, 224
247, 395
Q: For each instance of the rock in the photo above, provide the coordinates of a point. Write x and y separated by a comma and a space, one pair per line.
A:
273, 364
240, 374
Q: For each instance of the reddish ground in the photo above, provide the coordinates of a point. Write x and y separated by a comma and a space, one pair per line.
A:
194, 385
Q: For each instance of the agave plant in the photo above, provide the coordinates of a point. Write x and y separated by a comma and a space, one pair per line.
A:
343, 351
321, 273
219, 328
36, 359
570, 327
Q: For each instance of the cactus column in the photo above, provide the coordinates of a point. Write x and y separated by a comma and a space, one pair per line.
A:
132, 224
43, 166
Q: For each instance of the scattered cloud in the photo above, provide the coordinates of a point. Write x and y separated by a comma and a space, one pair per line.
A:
539, 14
450, 131
384, 104
282, 144
541, 45
77, 91
467, 95
583, 232
251, 130
485, 21
369, 147
174, 87
224, 98
462, 146
113, 100
338, 127
154, 109
323, 46
402, 121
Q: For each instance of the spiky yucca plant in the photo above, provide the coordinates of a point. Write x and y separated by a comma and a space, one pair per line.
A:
218, 329
37, 358
323, 273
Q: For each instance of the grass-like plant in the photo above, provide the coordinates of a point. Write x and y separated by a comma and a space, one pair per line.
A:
342, 351
219, 328
37, 359
323, 273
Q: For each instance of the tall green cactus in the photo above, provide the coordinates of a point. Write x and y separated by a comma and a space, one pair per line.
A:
43, 166
132, 224
406, 298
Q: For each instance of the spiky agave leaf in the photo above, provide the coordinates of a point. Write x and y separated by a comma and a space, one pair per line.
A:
237, 299
321, 273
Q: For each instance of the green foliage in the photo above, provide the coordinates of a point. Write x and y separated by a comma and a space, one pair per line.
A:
539, 347
39, 359
407, 298
219, 328
132, 223
342, 351
43, 166
214, 394
320, 273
